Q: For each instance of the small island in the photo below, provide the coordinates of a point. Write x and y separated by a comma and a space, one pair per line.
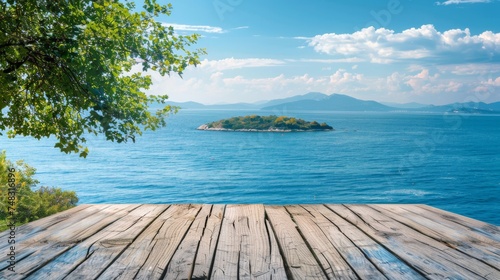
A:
265, 123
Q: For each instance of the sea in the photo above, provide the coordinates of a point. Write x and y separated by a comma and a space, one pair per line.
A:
450, 161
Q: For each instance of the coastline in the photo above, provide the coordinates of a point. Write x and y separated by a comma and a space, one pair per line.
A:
205, 127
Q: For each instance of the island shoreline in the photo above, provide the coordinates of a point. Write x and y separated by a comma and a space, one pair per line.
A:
206, 128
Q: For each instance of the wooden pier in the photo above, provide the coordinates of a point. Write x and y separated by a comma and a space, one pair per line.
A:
255, 241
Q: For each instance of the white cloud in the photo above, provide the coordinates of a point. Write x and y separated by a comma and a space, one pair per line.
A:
386, 46
341, 76
339, 60
431, 84
196, 28
451, 2
492, 82
421, 81
471, 69
217, 76
396, 82
495, 82
489, 86
241, 27
235, 63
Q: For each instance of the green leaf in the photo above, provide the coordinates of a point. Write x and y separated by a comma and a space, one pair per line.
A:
69, 66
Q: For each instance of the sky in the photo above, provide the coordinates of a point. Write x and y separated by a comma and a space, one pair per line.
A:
430, 52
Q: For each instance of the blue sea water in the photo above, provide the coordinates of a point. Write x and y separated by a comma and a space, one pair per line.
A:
448, 161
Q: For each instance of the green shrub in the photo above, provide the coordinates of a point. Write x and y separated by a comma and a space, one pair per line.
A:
29, 203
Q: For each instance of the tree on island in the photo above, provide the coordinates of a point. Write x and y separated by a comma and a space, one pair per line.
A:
67, 69
265, 123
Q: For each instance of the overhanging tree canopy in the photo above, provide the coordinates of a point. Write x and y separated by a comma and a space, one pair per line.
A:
66, 68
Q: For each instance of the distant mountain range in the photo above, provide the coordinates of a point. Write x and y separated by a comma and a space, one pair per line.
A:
315, 101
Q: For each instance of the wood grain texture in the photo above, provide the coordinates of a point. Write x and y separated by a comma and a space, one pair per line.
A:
29, 230
49, 244
350, 240
455, 235
91, 257
148, 256
244, 247
332, 262
254, 241
299, 259
182, 263
429, 257
208, 244
490, 231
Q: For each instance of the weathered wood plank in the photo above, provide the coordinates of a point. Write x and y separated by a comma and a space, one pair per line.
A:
90, 257
244, 250
354, 244
431, 258
208, 243
39, 228
29, 230
458, 237
22, 240
227, 253
330, 259
255, 254
255, 242
299, 260
148, 256
277, 266
488, 230
49, 244
182, 263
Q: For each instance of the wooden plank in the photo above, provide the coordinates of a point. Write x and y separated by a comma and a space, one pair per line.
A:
254, 258
312, 241
31, 230
43, 250
359, 249
183, 260
488, 230
277, 266
26, 244
28, 230
299, 260
332, 262
431, 258
244, 249
226, 255
90, 257
148, 256
457, 237
208, 243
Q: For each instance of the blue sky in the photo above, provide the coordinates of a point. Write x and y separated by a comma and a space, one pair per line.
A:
386, 50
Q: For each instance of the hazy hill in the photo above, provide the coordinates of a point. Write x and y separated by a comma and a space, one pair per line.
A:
316, 101
185, 105
309, 96
411, 105
334, 102
195, 105
467, 107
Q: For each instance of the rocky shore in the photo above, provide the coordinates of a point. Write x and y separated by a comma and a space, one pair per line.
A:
205, 127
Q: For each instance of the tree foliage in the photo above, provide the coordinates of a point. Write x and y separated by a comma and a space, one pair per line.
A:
29, 204
74, 67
